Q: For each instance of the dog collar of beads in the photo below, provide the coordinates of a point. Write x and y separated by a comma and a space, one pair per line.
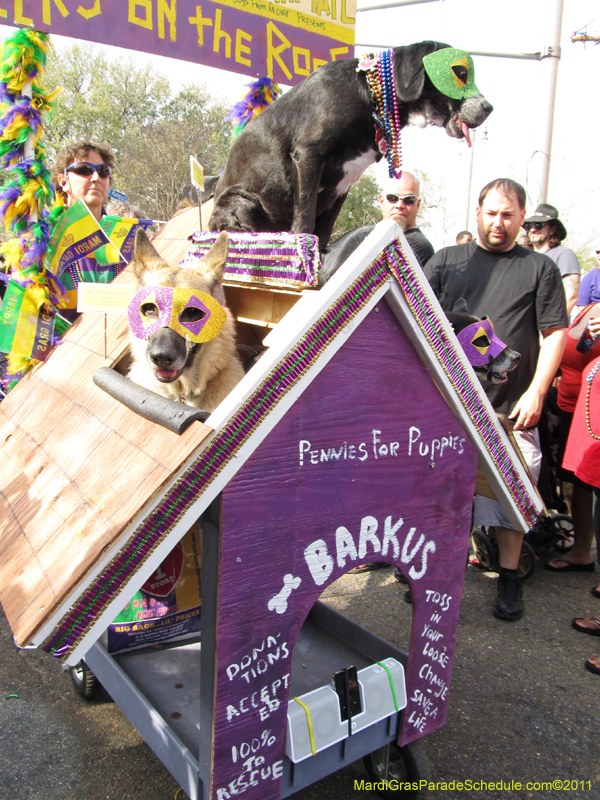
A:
379, 72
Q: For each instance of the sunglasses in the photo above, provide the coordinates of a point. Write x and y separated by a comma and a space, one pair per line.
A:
408, 200
85, 169
537, 225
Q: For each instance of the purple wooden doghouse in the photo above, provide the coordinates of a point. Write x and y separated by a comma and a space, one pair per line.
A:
355, 438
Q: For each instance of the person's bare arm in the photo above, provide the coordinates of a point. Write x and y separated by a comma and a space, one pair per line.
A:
571, 286
529, 407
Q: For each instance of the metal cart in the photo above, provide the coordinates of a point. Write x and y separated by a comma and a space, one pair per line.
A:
167, 695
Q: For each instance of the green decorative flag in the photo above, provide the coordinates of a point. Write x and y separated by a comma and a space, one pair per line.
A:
121, 232
76, 235
26, 330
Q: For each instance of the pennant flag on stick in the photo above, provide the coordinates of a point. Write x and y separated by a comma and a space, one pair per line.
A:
77, 234
121, 232
196, 174
26, 329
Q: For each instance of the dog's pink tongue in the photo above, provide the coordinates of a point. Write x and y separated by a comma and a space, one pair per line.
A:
166, 373
465, 130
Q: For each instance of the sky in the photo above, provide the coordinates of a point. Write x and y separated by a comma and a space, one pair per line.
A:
506, 145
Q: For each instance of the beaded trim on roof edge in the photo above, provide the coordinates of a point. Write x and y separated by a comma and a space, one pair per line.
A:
79, 619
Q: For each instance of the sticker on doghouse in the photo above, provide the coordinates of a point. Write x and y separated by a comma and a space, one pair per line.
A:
167, 606
103, 298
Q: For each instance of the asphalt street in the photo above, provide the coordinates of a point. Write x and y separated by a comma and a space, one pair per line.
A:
522, 707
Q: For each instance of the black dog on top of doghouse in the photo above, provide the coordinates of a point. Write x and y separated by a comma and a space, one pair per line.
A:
291, 168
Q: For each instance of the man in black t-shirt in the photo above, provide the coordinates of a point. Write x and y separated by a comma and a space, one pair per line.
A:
521, 291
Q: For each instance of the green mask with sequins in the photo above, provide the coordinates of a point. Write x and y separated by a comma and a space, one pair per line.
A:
452, 72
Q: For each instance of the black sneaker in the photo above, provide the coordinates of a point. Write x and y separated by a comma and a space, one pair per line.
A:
509, 604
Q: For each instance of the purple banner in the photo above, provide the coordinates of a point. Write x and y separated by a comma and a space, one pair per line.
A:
370, 464
285, 40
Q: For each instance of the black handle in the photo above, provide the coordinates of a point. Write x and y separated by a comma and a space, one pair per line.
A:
176, 417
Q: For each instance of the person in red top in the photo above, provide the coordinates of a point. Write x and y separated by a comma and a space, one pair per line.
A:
582, 456
572, 366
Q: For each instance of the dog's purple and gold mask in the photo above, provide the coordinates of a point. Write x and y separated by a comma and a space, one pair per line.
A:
155, 307
480, 343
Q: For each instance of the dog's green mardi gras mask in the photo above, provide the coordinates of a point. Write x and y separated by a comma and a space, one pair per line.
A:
452, 72
192, 314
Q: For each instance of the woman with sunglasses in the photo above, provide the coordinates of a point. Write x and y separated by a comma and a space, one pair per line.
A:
83, 171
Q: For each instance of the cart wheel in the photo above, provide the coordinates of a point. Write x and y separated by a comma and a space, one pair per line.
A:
484, 549
561, 526
527, 561
85, 682
408, 764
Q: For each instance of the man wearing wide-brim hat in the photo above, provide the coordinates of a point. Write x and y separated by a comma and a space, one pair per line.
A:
546, 233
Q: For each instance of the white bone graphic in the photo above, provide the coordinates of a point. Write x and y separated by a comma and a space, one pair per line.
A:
278, 602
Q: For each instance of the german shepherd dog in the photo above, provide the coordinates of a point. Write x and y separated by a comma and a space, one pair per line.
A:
168, 361
291, 168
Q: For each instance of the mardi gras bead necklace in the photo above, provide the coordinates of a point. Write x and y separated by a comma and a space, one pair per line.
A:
589, 380
379, 73
77, 275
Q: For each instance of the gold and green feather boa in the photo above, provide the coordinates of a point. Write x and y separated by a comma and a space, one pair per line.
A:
27, 195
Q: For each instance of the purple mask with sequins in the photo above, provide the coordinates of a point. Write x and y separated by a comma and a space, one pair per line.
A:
194, 315
480, 343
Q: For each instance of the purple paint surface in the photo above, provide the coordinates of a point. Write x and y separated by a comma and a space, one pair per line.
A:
227, 38
347, 476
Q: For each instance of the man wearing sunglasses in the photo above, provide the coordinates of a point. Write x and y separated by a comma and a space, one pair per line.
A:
521, 292
400, 201
546, 233
83, 171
